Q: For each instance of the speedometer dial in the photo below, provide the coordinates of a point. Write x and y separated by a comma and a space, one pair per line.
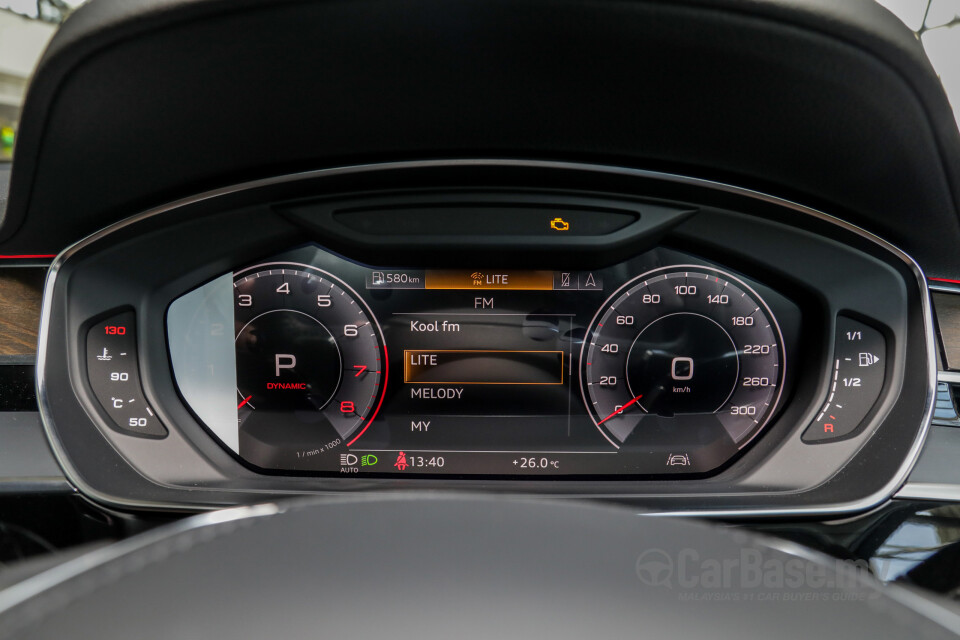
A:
684, 350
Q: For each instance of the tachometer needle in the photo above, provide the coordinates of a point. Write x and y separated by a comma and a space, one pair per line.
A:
619, 411
245, 401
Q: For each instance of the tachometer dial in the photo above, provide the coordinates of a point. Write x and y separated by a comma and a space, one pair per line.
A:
684, 353
311, 364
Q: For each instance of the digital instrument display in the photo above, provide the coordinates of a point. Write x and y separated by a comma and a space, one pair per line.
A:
663, 365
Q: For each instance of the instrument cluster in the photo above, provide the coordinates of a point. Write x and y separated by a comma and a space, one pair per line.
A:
311, 363
718, 352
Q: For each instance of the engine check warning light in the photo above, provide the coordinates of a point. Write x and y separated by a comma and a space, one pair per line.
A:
559, 224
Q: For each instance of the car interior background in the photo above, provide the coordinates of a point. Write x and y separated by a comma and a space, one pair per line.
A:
435, 286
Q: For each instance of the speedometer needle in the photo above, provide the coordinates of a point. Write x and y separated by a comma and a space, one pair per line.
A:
245, 401
619, 411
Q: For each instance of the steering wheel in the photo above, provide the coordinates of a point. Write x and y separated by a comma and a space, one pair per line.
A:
458, 566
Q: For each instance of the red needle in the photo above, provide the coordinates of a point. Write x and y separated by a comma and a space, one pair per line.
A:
245, 401
619, 411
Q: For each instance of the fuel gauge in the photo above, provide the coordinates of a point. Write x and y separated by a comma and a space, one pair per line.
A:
856, 379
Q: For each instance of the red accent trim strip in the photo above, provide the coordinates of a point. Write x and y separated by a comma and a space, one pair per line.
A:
27, 256
945, 280
386, 376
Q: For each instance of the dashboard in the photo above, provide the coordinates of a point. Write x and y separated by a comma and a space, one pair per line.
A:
567, 329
